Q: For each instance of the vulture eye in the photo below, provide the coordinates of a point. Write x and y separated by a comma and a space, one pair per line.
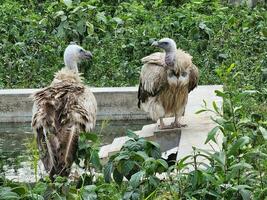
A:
164, 43
81, 50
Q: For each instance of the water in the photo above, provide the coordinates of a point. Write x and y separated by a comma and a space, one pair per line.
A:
14, 137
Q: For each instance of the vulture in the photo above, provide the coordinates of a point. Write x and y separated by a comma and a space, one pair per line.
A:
61, 112
166, 78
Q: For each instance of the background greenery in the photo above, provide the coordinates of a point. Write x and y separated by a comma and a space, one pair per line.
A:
34, 35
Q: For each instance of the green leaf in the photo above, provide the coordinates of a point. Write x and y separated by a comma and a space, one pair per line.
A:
163, 163
89, 192
118, 20
7, 194
215, 107
238, 144
229, 69
91, 136
121, 157
212, 134
127, 166
21, 190
107, 172
220, 93
142, 154
131, 134
68, 3
200, 111
95, 160
117, 176
59, 13
244, 191
246, 194
136, 179
263, 132
154, 144
240, 166
40, 188
100, 16
90, 28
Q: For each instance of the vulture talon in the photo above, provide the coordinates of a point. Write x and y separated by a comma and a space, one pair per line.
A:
178, 125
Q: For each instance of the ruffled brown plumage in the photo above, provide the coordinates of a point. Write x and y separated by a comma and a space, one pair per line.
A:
60, 112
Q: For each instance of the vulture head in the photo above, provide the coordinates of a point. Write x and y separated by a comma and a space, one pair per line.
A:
74, 54
166, 43
170, 48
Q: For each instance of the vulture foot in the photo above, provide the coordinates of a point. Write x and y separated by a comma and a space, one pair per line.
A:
177, 125
163, 127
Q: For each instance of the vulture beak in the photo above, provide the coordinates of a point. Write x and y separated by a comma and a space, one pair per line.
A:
88, 55
155, 44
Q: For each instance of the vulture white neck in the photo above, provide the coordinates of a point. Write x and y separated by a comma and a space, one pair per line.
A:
71, 64
170, 58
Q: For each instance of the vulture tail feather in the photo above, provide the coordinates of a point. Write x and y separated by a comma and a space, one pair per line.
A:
71, 144
49, 148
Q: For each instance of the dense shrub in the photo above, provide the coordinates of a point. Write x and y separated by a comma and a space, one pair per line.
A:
119, 33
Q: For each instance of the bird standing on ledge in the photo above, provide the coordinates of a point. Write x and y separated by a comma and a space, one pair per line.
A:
166, 79
61, 111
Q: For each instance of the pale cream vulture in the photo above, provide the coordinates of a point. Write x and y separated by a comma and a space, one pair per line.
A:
166, 79
61, 112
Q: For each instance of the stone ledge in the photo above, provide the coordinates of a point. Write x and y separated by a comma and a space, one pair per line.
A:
115, 103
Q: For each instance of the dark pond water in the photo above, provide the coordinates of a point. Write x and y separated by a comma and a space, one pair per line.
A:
14, 137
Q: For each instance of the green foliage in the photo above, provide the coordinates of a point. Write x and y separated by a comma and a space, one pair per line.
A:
119, 34
229, 46
34, 155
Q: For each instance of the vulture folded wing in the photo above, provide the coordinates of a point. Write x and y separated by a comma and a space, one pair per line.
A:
60, 113
153, 77
157, 58
88, 102
193, 78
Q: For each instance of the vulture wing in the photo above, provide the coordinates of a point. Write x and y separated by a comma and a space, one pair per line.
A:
153, 77
193, 78
60, 113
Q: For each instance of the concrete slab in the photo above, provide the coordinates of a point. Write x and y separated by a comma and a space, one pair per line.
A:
181, 140
199, 125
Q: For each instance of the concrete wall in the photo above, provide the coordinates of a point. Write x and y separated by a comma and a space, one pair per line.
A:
113, 103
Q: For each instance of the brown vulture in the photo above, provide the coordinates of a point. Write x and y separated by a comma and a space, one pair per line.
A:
61, 112
166, 78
